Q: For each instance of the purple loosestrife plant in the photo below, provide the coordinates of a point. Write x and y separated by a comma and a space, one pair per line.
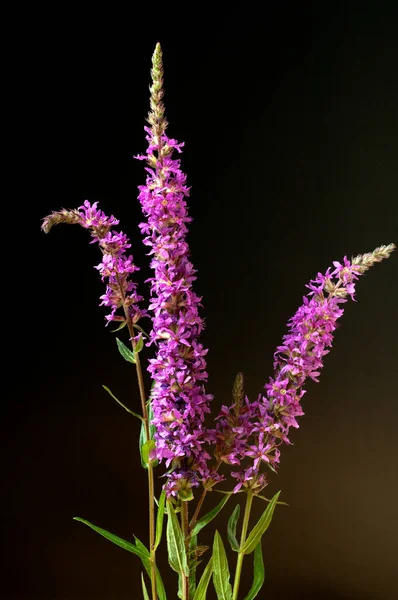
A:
176, 437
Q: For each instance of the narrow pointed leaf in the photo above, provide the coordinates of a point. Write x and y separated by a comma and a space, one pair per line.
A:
192, 563
231, 530
139, 549
118, 401
122, 324
159, 518
220, 570
210, 515
125, 352
201, 590
258, 573
139, 345
145, 452
114, 538
147, 564
260, 527
268, 500
142, 441
140, 329
175, 542
144, 590
142, 547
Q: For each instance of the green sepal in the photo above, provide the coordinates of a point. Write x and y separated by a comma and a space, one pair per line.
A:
231, 529
185, 494
221, 570
159, 518
260, 527
201, 590
121, 404
144, 590
125, 352
210, 515
175, 542
258, 573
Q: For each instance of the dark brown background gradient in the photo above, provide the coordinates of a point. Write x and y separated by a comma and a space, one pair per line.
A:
290, 120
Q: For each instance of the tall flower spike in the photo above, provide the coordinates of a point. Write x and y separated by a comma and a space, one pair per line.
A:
179, 401
116, 267
266, 422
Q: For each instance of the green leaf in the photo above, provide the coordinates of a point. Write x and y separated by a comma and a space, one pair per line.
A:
125, 407
260, 527
159, 518
201, 590
221, 570
143, 440
139, 345
152, 428
140, 329
142, 547
210, 515
122, 324
145, 452
268, 500
258, 573
125, 352
231, 530
114, 538
179, 589
147, 564
193, 544
175, 542
144, 590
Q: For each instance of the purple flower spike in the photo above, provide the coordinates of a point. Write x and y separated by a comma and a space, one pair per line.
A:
179, 401
115, 268
256, 430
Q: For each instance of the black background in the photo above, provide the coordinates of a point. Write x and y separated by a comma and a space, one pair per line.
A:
290, 121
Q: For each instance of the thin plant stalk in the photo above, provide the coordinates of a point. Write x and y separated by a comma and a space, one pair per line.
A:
185, 531
151, 487
239, 562
195, 515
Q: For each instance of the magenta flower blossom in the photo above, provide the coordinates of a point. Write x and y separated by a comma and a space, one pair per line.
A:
116, 267
179, 400
255, 430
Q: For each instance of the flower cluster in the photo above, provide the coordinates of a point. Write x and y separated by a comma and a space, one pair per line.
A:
267, 421
116, 267
178, 397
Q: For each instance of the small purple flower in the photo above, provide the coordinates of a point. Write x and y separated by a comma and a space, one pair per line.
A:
115, 268
179, 401
255, 430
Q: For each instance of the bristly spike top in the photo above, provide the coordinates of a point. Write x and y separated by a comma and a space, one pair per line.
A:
156, 116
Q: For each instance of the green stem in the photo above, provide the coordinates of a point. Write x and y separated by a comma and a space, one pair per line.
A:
185, 531
194, 519
151, 487
239, 562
